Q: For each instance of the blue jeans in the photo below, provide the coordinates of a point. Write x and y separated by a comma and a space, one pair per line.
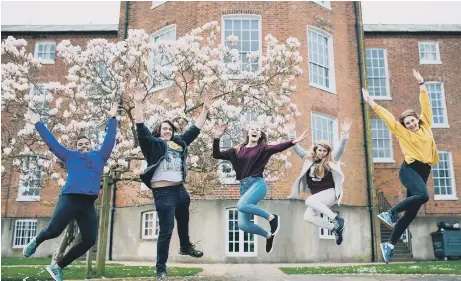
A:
171, 202
69, 207
252, 190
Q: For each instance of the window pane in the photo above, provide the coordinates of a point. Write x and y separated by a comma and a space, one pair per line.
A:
443, 178
247, 32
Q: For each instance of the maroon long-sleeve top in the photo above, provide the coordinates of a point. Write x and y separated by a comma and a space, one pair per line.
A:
249, 161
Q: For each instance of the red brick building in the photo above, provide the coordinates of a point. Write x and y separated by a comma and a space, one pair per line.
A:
391, 53
328, 92
20, 209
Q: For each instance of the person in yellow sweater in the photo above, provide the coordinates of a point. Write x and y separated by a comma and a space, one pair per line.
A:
417, 144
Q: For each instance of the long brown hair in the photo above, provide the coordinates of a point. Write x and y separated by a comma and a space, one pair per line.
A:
158, 128
323, 165
409, 112
262, 139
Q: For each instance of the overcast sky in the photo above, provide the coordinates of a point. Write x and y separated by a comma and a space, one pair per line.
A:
107, 12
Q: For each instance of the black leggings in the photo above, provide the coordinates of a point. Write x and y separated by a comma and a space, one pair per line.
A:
73, 206
414, 177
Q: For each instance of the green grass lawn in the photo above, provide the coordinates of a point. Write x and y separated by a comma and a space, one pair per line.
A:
41, 261
36, 273
30, 261
438, 267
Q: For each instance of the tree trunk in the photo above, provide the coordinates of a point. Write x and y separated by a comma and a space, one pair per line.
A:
68, 238
103, 225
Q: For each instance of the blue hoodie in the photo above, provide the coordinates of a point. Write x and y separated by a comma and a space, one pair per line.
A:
84, 169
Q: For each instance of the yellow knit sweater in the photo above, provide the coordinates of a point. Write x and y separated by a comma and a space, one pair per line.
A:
418, 145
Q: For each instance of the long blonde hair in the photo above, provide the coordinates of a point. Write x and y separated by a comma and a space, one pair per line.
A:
323, 165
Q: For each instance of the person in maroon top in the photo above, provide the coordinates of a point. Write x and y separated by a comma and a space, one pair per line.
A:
249, 160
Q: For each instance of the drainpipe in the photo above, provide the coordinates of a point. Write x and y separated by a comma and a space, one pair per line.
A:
114, 186
125, 27
366, 122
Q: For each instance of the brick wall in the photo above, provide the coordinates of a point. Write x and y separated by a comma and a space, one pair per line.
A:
10, 181
282, 20
402, 56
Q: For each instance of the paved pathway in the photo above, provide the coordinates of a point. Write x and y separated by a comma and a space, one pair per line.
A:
271, 272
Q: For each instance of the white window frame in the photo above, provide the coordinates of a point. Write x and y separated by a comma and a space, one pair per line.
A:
335, 139
331, 62
241, 239
165, 84
437, 53
325, 233
155, 4
383, 159
241, 17
45, 42
155, 224
386, 70
16, 246
444, 104
22, 188
452, 174
325, 4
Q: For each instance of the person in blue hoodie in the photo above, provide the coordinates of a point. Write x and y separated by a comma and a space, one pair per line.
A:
166, 155
76, 200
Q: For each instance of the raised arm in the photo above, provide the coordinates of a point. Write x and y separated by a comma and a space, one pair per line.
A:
426, 109
109, 141
297, 148
217, 153
345, 128
190, 134
272, 149
55, 147
394, 126
202, 117
300, 151
138, 97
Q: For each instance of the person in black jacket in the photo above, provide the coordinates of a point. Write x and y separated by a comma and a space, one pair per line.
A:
165, 174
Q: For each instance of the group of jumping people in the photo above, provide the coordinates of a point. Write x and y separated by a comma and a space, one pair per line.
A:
166, 156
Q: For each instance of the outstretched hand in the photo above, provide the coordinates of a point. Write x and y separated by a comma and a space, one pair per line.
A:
301, 137
113, 110
346, 125
32, 117
207, 104
138, 93
418, 76
366, 95
219, 132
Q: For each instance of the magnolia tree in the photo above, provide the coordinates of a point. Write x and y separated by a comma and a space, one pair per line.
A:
175, 76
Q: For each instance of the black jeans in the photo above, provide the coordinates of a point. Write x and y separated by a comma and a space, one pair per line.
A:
170, 203
414, 177
81, 208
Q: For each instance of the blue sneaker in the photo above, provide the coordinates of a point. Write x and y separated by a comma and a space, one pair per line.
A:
386, 218
30, 248
338, 231
55, 272
387, 252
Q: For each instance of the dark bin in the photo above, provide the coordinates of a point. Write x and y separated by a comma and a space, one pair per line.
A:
447, 244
